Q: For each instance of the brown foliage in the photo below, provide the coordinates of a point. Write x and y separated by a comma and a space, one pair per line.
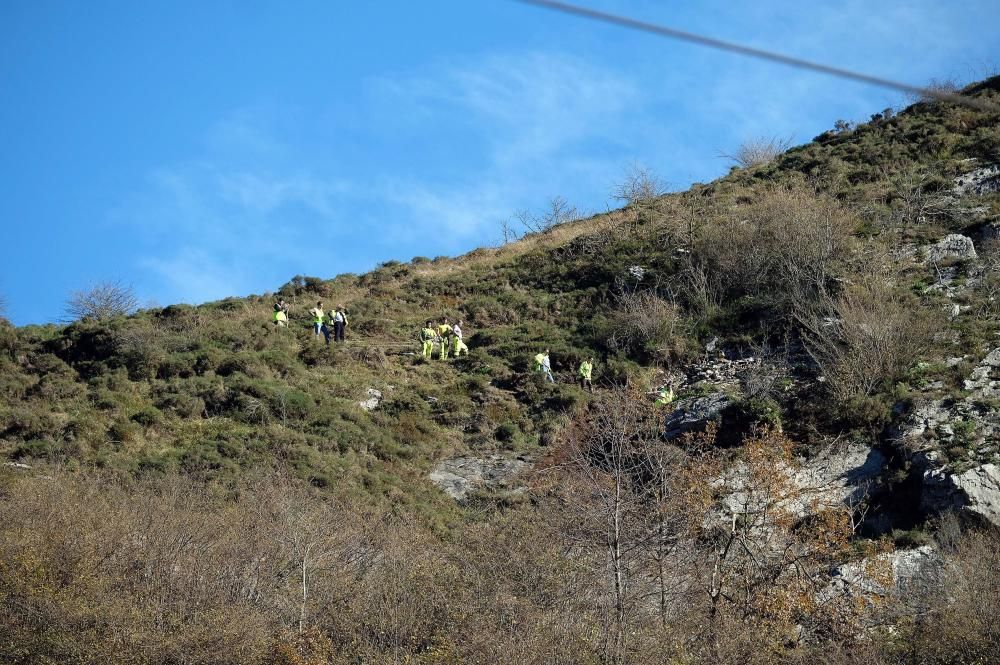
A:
865, 338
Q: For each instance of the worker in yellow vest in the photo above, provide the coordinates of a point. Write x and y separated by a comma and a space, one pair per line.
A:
317, 317
585, 372
427, 336
457, 344
444, 332
665, 396
280, 314
544, 365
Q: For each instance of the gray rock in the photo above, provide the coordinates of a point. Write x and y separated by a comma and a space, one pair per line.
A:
694, 414
981, 181
17, 466
841, 474
975, 492
459, 476
373, 400
914, 572
952, 246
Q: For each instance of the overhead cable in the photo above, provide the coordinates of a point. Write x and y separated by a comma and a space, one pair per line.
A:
750, 51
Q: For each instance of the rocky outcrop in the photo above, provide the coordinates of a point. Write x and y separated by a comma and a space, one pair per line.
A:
984, 180
459, 476
985, 379
373, 399
840, 475
952, 246
952, 444
695, 413
975, 492
910, 574
969, 422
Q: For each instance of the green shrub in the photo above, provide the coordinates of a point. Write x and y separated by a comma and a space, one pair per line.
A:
147, 416
506, 432
124, 432
184, 405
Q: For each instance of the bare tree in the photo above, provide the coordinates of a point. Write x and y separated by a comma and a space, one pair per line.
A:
645, 320
507, 232
639, 186
558, 212
626, 498
863, 339
913, 198
102, 301
758, 151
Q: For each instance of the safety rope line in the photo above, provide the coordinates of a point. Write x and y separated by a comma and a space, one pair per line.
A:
750, 51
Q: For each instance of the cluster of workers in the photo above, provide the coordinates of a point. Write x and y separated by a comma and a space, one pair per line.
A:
328, 324
448, 337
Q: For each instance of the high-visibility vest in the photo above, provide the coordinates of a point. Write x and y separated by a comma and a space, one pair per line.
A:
427, 334
339, 316
539, 361
666, 397
317, 315
280, 316
585, 369
444, 330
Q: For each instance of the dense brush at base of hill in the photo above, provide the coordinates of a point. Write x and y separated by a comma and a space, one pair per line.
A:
817, 262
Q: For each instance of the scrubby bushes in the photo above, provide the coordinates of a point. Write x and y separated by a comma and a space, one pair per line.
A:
863, 341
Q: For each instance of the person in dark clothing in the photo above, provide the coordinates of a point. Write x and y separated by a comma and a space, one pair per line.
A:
339, 324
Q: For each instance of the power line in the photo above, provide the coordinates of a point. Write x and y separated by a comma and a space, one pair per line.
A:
749, 51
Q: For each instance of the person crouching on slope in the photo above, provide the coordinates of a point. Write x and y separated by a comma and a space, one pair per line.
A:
281, 314
458, 345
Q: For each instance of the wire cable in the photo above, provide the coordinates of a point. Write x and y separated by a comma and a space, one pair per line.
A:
761, 54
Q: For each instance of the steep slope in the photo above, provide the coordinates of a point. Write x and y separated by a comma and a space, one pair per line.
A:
213, 389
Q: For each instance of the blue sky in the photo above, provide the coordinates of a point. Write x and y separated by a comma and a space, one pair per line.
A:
202, 149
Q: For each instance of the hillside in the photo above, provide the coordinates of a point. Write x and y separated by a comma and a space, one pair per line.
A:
833, 311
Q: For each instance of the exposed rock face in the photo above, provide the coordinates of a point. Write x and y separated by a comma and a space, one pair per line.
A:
975, 492
985, 379
461, 475
970, 427
843, 474
937, 424
694, 414
373, 400
952, 246
981, 181
914, 573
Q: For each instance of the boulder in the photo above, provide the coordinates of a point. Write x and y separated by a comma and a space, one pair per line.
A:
981, 181
975, 492
952, 246
840, 474
695, 413
914, 573
374, 398
459, 476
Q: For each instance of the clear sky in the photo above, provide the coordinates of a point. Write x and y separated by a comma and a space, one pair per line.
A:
203, 149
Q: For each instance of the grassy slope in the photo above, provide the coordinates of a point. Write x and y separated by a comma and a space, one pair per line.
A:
214, 391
